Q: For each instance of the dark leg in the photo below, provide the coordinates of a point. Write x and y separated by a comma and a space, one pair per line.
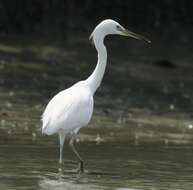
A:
81, 163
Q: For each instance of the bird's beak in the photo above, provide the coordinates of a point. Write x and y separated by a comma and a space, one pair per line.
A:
134, 35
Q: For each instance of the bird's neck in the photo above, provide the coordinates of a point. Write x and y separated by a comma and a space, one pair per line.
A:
94, 80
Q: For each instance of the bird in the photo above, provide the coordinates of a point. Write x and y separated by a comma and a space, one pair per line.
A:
71, 109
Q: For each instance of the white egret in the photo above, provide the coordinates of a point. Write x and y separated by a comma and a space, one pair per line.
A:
72, 109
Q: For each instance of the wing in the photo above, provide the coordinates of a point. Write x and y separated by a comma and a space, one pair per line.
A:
58, 105
66, 110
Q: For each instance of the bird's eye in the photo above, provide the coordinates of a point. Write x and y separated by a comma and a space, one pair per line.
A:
118, 27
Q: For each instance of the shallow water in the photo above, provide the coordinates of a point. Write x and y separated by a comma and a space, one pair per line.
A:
146, 108
109, 166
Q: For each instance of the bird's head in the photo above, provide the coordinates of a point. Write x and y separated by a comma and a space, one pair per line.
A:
110, 27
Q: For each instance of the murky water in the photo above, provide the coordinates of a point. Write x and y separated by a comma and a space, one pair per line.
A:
141, 134
109, 166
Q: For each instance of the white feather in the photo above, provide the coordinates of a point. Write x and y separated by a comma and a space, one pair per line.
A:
72, 108
68, 110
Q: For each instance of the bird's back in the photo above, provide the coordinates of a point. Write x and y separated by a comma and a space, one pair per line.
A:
69, 109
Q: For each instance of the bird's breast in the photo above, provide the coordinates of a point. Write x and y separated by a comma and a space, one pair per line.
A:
68, 110
80, 112
84, 113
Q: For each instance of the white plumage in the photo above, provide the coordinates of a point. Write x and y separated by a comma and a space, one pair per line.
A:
69, 110
72, 108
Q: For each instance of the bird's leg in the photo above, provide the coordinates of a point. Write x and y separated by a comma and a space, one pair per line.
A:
81, 163
61, 139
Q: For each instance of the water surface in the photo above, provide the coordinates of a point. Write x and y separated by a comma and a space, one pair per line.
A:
140, 136
108, 166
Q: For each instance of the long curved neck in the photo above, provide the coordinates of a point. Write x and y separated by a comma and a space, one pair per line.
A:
94, 80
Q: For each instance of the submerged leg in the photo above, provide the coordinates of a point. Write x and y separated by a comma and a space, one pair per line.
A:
81, 163
61, 139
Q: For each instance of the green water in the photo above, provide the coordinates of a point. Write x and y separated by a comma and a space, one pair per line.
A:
108, 166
